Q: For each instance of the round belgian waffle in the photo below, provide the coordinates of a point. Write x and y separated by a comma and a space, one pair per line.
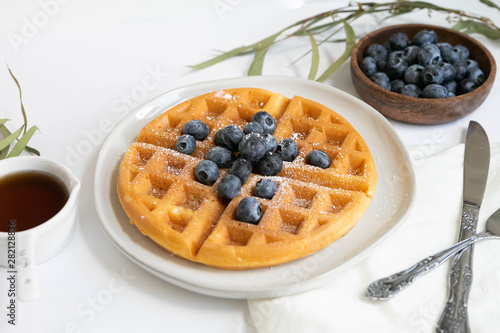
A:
311, 208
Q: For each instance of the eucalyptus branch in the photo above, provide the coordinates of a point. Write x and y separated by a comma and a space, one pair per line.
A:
344, 17
8, 138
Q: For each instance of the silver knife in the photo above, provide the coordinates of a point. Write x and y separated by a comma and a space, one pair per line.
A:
476, 163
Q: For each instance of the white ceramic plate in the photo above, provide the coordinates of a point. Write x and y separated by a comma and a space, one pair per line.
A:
391, 204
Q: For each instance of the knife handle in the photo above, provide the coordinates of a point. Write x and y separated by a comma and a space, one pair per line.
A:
455, 315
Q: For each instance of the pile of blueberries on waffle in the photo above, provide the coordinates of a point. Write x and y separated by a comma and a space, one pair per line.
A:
422, 67
241, 152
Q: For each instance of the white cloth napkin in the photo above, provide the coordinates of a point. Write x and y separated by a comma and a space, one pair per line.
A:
432, 226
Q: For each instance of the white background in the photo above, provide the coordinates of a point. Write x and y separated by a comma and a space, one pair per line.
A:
83, 65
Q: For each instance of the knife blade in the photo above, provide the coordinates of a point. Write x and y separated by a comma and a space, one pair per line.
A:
476, 164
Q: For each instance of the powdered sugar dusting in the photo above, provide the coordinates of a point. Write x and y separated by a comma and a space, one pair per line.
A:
224, 94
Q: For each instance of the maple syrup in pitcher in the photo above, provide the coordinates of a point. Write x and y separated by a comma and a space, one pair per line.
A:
30, 198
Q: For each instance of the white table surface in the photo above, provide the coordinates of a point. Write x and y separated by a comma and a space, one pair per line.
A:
83, 65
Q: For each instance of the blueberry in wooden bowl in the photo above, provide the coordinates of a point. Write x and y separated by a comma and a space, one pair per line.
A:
436, 75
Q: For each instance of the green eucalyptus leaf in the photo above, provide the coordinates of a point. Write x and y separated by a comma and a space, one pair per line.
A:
6, 141
21, 144
469, 27
314, 58
224, 56
327, 39
238, 51
3, 153
318, 29
9, 137
5, 133
490, 4
350, 41
32, 150
258, 62
260, 54
20, 98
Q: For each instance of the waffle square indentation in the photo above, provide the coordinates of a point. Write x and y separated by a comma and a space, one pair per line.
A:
178, 219
291, 221
337, 203
300, 130
310, 111
215, 109
193, 196
159, 186
174, 165
238, 236
303, 197
258, 100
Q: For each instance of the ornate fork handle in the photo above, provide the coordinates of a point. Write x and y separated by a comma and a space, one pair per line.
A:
386, 288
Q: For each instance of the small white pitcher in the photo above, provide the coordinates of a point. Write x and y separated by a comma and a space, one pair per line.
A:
43, 242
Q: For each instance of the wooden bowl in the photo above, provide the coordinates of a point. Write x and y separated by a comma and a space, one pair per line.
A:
422, 110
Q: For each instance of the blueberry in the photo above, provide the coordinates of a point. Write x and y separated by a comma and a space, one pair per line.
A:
229, 187
424, 37
466, 85
218, 138
476, 75
434, 91
287, 150
253, 127
381, 79
266, 120
411, 90
198, 129
387, 45
242, 169
381, 65
449, 71
395, 68
252, 147
270, 165
462, 52
429, 54
397, 85
229, 137
249, 210
223, 157
398, 41
462, 66
460, 69
449, 55
432, 74
410, 54
368, 66
318, 158
265, 188
207, 172
377, 52
413, 74
395, 55
444, 46
271, 143
186, 144
469, 63
451, 94
451, 86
